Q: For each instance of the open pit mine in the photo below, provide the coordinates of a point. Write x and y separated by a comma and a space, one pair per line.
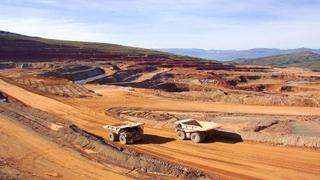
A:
100, 111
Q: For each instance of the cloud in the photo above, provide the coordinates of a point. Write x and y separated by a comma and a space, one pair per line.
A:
219, 24
55, 29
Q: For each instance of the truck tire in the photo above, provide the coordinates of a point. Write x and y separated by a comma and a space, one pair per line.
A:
181, 135
123, 139
112, 137
204, 136
212, 134
139, 135
197, 137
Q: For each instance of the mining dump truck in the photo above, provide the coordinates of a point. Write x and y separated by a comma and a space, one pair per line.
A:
193, 129
126, 132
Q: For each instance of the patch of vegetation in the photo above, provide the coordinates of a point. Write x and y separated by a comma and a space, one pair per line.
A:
307, 59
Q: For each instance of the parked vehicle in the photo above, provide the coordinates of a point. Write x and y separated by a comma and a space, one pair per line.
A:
195, 130
126, 132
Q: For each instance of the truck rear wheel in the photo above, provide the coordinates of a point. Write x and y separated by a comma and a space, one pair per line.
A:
181, 135
197, 137
112, 137
139, 135
123, 139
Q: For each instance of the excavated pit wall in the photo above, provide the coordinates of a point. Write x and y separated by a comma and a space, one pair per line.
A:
69, 135
235, 98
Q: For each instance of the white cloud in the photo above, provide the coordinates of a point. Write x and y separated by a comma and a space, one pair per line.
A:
59, 29
218, 24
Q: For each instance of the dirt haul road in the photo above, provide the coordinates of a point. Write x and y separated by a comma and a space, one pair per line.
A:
39, 158
241, 160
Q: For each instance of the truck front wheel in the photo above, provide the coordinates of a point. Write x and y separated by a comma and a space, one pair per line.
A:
123, 139
197, 137
181, 135
112, 137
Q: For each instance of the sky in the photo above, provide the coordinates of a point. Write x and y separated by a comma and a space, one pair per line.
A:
207, 24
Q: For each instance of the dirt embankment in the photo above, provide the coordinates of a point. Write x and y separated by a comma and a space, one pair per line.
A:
233, 88
128, 75
51, 86
94, 147
75, 72
250, 98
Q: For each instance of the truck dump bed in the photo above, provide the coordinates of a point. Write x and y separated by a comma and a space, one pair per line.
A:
123, 125
191, 125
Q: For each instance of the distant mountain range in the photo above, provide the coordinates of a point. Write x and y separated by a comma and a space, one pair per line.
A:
305, 59
228, 55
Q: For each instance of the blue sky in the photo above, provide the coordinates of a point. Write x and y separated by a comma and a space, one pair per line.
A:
208, 24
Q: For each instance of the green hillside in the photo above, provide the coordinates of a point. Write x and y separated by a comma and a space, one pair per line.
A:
308, 60
15, 46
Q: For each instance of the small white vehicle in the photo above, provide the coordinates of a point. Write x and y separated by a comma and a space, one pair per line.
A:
193, 129
126, 132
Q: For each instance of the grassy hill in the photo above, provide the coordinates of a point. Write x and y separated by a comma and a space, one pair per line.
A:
229, 55
308, 60
16, 47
